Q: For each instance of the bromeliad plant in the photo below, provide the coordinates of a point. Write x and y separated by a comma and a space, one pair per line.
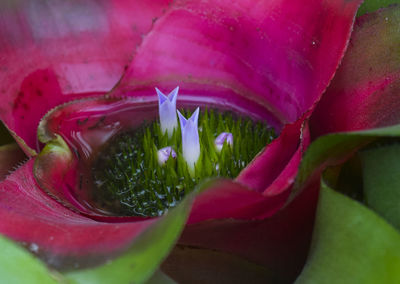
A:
254, 58
258, 59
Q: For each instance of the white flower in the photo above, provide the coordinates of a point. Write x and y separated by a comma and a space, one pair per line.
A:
164, 154
167, 110
220, 140
190, 138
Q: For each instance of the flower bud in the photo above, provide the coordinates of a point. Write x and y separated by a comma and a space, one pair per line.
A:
164, 154
167, 110
190, 138
220, 140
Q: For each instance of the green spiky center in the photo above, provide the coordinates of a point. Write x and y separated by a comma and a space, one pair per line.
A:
129, 181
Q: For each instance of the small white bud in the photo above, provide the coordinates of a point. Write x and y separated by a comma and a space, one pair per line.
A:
220, 140
164, 154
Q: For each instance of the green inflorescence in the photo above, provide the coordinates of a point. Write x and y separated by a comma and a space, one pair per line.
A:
129, 181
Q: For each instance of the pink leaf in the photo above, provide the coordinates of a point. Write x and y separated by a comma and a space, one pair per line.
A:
55, 51
58, 235
279, 55
364, 93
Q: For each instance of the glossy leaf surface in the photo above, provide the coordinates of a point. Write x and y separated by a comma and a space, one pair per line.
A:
351, 244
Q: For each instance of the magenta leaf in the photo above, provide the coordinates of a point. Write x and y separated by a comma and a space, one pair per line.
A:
225, 198
61, 237
280, 243
282, 158
253, 53
55, 51
364, 92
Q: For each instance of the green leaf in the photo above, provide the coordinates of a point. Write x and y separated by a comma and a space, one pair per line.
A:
19, 266
373, 5
334, 149
141, 260
351, 244
381, 179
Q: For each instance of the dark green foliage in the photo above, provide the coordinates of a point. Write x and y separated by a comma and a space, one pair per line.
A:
129, 181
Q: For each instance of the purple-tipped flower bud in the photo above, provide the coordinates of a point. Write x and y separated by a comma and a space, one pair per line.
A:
190, 138
220, 140
164, 154
167, 110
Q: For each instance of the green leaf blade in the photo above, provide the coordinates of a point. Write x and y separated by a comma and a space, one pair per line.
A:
139, 262
369, 6
19, 266
351, 244
381, 179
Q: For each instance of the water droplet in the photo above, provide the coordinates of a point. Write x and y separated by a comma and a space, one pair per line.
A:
34, 248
